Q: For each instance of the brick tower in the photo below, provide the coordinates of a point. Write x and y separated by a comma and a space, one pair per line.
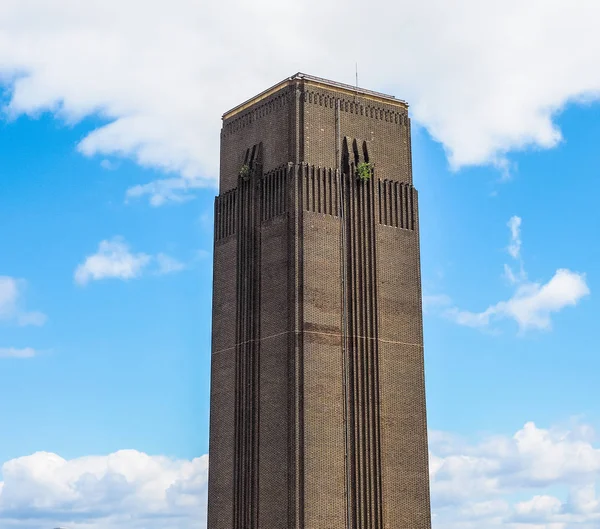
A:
317, 414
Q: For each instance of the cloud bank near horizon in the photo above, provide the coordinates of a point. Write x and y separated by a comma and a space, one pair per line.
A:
473, 485
484, 79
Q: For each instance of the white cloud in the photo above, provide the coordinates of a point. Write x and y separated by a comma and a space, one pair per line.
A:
115, 260
583, 500
512, 277
538, 507
12, 352
472, 485
167, 190
496, 482
9, 292
112, 260
514, 247
514, 250
484, 78
11, 304
126, 489
533, 303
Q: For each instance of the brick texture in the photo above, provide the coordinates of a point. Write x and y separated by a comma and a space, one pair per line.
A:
318, 416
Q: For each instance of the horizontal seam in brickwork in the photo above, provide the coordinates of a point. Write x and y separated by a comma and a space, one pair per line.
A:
320, 333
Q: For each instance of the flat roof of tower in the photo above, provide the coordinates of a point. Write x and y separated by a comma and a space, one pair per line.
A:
317, 81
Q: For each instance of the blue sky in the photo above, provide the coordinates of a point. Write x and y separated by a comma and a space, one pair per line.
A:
108, 163
499, 381
135, 352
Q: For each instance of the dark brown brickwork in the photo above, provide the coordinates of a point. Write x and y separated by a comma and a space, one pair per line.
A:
317, 392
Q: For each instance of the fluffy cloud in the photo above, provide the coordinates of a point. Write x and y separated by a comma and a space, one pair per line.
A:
484, 78
472, 484
13, 352
11, 303
496, 482
539, 507
127, 489
114, 259
532, 304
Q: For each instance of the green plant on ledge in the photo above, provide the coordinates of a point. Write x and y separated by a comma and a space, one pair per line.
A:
364, 171
245, 171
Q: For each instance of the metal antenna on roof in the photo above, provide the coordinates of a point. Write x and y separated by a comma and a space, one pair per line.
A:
356, 65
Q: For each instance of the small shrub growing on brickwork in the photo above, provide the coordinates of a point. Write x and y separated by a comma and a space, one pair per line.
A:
364, 171
245, 171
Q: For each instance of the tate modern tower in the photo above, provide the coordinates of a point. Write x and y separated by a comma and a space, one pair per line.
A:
317, 414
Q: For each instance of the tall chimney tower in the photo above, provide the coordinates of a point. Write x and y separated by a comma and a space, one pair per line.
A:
317, 414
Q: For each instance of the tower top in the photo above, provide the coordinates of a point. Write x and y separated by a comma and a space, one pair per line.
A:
322, 83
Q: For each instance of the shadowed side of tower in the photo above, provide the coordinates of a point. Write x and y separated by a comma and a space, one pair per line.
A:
317, 391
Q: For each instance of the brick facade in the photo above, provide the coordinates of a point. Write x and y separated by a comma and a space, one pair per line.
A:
317, 392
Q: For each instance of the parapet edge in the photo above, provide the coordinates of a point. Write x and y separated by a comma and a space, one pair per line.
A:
317, 82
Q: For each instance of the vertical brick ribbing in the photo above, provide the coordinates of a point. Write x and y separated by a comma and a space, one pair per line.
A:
298, 196
247, 360
363, 416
